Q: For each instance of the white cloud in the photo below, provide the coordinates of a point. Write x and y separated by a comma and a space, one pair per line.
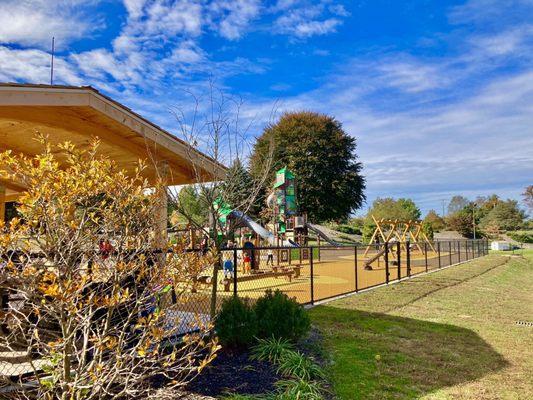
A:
172, 18
233, 17
34, 66
493, 12
135, 7
34, 22
411, 76
306, 22
507, 42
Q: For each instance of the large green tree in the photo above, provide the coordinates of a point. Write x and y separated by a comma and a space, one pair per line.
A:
434, 220
506, 215
322, 156
389, 208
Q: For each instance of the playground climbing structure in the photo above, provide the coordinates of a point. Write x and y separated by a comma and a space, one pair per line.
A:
390, 231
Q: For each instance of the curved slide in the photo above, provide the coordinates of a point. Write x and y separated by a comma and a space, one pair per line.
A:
257, 228
315, 229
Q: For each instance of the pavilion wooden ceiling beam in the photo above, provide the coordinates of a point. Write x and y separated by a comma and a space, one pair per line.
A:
109, 114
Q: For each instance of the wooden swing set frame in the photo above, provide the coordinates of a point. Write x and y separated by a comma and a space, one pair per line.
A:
397, 230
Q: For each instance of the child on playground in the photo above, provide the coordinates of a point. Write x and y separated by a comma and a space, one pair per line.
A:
247, 263
227, 268
270, 257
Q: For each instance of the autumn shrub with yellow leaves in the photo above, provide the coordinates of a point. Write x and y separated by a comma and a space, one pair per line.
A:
99, 292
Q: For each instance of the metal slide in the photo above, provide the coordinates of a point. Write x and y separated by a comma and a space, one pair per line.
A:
315, 229
257, 228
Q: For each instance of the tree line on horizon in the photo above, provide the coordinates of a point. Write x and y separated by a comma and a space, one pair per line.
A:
487, 215
330, 184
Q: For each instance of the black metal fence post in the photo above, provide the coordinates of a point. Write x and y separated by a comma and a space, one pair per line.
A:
459, 251
386, 244
312, 275
438, 252
426, 255
450, 252
399, 259
408, 258
235, 272
356, 274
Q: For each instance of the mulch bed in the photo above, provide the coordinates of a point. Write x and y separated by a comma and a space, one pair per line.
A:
234, 372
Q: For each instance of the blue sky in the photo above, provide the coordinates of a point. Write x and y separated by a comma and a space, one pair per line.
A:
439, 94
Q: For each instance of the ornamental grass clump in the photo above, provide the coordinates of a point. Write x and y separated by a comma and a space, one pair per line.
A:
303, 378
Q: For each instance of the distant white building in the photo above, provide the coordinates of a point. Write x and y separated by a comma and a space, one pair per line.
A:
500, 246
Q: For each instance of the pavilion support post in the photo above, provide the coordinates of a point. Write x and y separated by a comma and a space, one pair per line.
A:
161, 222
2, 203
161, 238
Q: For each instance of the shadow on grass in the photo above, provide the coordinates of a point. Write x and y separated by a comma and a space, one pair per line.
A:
379, 356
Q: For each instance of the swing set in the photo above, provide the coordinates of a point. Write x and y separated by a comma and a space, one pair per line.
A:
397, 231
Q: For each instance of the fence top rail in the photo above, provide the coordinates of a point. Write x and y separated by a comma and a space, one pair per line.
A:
35, 254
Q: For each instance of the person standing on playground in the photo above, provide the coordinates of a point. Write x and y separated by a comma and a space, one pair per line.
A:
270, 257
204, 245
247, 260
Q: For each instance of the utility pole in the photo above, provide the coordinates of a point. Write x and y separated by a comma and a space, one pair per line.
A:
474, 218
52, 62
443, 202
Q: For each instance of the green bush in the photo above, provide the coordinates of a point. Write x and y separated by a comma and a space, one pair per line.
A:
279, 316
521, 237
350, 230
236, 323
295, 364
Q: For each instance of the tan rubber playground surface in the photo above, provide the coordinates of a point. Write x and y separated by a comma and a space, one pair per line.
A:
333, 275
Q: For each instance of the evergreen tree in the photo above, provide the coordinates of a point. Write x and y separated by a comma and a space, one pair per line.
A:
239, 190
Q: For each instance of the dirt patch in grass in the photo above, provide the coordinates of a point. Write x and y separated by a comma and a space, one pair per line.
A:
451, 334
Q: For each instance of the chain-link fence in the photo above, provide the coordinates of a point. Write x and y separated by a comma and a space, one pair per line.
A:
308, 274
311, 274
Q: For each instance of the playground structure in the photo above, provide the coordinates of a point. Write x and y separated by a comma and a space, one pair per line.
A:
389, 231
287, 226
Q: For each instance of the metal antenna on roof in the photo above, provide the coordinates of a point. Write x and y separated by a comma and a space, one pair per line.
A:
52, 63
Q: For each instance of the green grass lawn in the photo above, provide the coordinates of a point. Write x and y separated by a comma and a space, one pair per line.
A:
447, 335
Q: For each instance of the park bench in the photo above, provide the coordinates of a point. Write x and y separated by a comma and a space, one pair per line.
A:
295, 268
200, 280
246, 278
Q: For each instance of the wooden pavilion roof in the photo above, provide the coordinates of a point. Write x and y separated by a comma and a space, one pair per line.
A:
78, 114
